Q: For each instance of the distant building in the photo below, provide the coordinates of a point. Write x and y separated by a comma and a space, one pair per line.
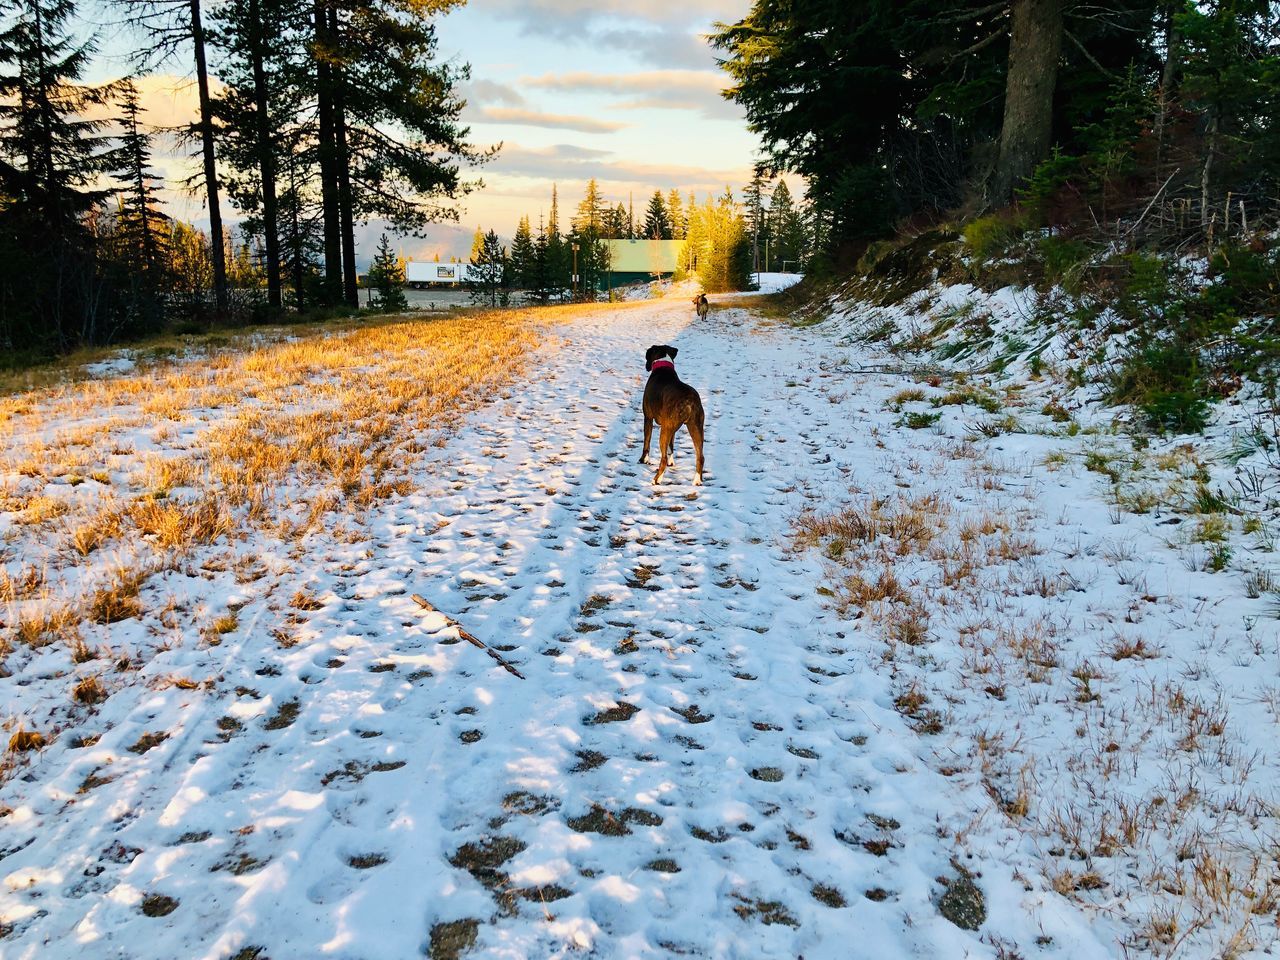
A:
635, 261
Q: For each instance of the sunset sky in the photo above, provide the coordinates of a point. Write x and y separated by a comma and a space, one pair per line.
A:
627, 93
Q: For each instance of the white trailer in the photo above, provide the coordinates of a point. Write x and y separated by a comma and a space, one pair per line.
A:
423, 273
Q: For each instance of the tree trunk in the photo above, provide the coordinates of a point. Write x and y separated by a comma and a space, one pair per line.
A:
346, 205
266, 157
1034, 48
1168, 83
327, 158
217, 250
296, 233
1211, 145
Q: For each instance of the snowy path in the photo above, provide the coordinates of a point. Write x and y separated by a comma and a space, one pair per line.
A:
703, 760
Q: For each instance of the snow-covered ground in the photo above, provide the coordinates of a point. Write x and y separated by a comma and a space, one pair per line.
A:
710, 752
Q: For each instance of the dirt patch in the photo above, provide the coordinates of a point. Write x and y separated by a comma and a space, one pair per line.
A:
692, 714
617, 714
767, 774
451, 940
829, 896
547, 893
602, 821
147, 741
663, 865
284, 715
366, 861
158, 905
588, 760
963, 903
767, 912
530, 804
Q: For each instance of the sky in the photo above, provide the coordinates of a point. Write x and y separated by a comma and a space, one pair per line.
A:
625, 92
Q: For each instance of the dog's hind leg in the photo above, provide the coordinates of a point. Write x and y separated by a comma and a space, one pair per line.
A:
696, 433
648, 434
665, 436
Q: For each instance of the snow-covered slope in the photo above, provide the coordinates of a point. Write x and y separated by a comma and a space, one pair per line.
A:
711, 753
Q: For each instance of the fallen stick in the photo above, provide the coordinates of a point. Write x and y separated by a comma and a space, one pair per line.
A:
471, 638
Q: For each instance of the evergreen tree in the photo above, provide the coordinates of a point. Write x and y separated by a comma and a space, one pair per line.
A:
559, 260
615, 223
657, 225
477, 244
386, 277
542, 282
676, 214
786, 230
53, 158
170, 27
718, 247
486, 276
757, 223
255, 99
522, 256
591, 210
142, 228
390, 143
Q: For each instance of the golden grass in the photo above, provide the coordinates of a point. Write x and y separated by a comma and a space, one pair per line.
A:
333, 419
1188, 830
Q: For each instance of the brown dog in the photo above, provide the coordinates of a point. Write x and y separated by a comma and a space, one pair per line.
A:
674, 404
701, 306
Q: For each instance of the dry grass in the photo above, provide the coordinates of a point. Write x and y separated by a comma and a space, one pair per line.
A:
1139, 791
107, 483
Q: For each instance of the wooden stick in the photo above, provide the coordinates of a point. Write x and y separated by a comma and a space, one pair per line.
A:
466, 635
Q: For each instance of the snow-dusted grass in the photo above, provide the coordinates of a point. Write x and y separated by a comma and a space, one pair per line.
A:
1093, 624
912, 641
133, 509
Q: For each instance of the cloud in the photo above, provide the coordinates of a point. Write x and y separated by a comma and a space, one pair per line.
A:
534, 118
561, 17
662, 48
697, 90
645, 29
687, 82
488, 91
569, 166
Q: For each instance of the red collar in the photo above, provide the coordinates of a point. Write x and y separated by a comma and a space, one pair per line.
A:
662, 365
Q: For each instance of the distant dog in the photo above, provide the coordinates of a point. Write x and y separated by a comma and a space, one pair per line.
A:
701, 305
674, 404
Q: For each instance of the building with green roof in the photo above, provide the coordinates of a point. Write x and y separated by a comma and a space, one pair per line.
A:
637, 261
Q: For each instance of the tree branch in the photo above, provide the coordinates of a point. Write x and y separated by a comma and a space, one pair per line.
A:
1088, 56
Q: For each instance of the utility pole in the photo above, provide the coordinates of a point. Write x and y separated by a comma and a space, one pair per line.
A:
575, 269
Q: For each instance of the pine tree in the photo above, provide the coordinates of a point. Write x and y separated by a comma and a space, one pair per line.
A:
386, 277
559, 263
542, 281
142, 228
485, 277
53, 158
522, 256
256, 97
754, 197
616, 223
676, 214
170, 27
389, 140
591, 210
718, 248
657, 225
477, 244
786, 230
